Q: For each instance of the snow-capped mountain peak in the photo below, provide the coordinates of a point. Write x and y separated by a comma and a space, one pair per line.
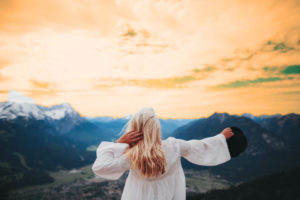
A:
60, 111
20, 105
18, 97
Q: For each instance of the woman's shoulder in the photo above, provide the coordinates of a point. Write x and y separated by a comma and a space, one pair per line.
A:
180, 145
171, 142
171, 139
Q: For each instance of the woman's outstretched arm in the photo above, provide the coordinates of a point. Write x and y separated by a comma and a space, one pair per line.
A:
110, 163
209, 151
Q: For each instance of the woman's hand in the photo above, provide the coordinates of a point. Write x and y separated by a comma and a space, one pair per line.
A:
227, 132
131, 138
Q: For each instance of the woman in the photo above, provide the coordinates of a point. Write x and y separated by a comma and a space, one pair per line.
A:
155, 166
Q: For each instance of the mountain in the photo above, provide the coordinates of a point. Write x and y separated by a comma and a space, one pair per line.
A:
33, 141
36, 139
260, 140
92, 132
20, 105
285, 126
115, 125
30, 148
168, 126
266, 151
64, 120
282, 185
63, 117
261, 117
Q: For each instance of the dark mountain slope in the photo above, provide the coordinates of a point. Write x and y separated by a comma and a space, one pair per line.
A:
31, 147
266, 151
278, 186
286, 126
260, 140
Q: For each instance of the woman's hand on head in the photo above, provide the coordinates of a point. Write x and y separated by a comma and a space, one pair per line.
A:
227, 132
131, 137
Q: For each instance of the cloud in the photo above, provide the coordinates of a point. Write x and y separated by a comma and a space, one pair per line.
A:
17, 16
247, 56
296, 92
164, 83
270, 69
250, 82
160, 83
293, 69
41, 84
4, 92
205, 69
282, 47
283, 70
4, 77
42, 88
139, 40
279, 46
4, 62
130, 33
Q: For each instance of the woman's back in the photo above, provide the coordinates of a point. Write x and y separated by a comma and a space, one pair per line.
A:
169, 185
111, 164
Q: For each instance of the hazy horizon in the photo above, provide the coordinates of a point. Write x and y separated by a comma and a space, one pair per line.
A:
17, 97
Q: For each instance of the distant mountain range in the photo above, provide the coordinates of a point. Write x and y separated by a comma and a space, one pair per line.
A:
271, 143
64, 120
36, 139
260, 139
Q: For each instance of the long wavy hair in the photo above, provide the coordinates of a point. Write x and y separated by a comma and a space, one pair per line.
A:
146, 155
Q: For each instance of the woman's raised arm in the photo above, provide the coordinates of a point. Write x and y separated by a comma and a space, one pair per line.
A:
209, 151
110, 163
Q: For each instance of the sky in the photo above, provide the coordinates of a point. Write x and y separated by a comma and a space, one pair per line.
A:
186, 59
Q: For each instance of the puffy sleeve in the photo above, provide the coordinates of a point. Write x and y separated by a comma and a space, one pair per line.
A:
110, 163
209, 151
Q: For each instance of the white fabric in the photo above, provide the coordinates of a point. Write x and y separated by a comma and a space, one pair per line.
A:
111, 164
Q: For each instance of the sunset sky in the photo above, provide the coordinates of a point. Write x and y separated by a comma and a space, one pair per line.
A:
186, 59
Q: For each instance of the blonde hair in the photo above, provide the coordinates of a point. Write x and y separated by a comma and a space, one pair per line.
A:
146, 155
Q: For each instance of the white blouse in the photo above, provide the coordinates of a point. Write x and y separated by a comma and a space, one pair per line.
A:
111, 164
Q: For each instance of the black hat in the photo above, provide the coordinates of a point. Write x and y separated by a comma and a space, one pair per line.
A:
236, 143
